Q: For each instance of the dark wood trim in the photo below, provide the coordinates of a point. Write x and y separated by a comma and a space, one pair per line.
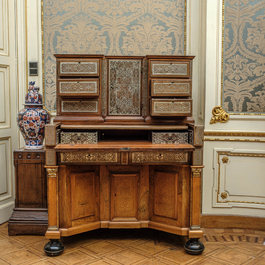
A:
231, 221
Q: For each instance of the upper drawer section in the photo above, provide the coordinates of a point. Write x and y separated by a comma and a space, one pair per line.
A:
171, 107
78, 67
170, 87
74, 87
170, 69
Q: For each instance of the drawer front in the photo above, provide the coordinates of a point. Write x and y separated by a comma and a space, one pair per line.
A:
80, 106
170, 137
159, 157
29, 155
75, 87
96, 157
169, 107
170, 88
79, 67
79, 138
169, 69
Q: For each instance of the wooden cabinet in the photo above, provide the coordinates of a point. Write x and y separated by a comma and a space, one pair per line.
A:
30, 212
123, 151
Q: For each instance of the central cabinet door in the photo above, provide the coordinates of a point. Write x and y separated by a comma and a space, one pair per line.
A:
124, 197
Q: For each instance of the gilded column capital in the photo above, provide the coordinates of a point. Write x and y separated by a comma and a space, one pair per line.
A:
52, 172
196, 172
219, 114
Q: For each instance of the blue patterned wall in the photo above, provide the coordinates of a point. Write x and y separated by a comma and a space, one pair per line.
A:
109, 27
244, 56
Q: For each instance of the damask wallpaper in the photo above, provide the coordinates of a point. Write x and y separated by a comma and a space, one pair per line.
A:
244, 56
109, 27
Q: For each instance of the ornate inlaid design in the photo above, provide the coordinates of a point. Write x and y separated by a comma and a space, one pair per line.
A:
80, 106
124, 87
169, 69
50, 137
169, 138
196, 172
198, 135
160, 157
104, 87
173, 107
79, 87
58, 131
89, 157
191, 137
79, 138
89, 68
52, 172
219, 114
173, 88
50, 157
145, 89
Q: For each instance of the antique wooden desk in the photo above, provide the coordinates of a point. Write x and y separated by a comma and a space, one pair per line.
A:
123, 151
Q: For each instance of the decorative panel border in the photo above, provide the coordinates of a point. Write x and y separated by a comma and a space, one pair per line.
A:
6, 168
238, 178
5, 103
4, 28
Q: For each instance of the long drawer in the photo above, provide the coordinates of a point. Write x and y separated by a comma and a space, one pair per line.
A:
76, 87
82, 107
171, 107
79, 137
78, 67
171, 87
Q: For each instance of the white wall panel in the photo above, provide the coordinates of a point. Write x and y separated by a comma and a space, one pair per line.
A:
4, 97
3, 27
6, 169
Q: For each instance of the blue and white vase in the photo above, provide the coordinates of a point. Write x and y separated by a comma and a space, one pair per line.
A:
32, 119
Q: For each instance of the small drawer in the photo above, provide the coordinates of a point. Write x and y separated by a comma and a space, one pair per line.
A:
73, 87
81, 67
171, 107
79, 138
157, 157
29, 155
81, 107
170, 69
170, 137
170, 88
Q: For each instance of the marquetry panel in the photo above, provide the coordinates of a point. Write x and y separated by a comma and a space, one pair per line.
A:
171, 107
239, 178
4, 27
89, 87
90, 157
169, 69
125, 87
83, 67
4, 96
124, 196
170, 87
159, 157
165, 194
79, 138
6, 170
170, 137
82, 106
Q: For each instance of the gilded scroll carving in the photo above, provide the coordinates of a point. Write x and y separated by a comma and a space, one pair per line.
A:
52, 172
219, 115
196, 172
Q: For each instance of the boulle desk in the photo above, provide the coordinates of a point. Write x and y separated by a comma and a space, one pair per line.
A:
123, 151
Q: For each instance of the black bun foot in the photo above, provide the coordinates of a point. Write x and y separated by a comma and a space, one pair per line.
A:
54, 248
194, 246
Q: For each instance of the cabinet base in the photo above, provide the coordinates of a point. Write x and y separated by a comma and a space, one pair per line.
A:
28, 222
194, 246
54, 248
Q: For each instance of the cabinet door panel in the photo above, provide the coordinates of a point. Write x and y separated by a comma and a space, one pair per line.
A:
124, 197
165, 194
83, 195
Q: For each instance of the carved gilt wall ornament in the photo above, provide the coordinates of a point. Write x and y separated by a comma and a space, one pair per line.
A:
219, 114
52, 172
94, 157
196, 172
225, 159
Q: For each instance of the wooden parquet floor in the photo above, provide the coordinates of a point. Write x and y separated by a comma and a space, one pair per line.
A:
137, 247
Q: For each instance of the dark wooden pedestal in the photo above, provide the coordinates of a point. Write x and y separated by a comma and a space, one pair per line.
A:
30, 213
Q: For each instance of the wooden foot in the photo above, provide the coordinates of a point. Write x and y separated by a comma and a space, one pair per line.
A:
54, 248
194, 246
